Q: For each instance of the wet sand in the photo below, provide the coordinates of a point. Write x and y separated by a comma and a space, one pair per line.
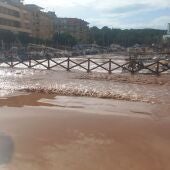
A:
40, 132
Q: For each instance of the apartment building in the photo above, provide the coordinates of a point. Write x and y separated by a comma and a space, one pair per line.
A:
42, 25
14, 16
31, 19
78, 28
167, 36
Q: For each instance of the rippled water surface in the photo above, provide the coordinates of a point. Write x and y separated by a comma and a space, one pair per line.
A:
83, 84
52, 129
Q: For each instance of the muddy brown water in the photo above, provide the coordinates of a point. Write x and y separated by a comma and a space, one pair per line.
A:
78, 133
44, 126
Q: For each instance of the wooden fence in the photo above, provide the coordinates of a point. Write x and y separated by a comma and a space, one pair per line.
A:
108, 65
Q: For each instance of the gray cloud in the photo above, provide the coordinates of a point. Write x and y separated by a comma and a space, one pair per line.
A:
130, 8
113, 13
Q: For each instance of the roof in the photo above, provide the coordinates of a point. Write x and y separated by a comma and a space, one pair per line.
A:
73, 20
12, 2
33, 7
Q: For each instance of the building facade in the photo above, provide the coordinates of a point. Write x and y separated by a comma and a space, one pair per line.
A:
14, 16
31, 19
168, 31
167, 36
76, 27
42, 26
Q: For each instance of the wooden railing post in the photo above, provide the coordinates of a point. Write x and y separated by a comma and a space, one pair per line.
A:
29, 60
157, 67
88, 65
48, 60
133, 64
12, 64
110, 66
68, 64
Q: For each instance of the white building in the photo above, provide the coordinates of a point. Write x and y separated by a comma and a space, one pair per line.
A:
168, 32
167, 36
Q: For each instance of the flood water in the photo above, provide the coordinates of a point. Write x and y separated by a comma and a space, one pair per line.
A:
78, 121
145, 88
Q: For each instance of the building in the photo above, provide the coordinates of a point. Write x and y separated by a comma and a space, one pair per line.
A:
42, 25
14, 16
53, 18
78, 28
140, 49
167, 36
168, 32
31, 19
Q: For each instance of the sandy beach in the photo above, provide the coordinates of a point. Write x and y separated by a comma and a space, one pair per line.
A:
40, 129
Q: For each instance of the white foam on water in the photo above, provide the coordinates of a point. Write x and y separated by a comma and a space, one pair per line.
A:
71, 84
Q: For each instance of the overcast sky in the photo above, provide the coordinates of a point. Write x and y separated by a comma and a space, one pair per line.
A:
112, 13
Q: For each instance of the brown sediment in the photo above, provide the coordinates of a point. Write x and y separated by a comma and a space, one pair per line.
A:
127, 78
86, 138
21, 100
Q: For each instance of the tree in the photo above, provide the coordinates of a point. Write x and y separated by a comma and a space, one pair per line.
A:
64, 39
24, 38
128, 37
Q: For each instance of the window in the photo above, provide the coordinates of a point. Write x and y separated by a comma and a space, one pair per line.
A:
8, 22
10, 12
